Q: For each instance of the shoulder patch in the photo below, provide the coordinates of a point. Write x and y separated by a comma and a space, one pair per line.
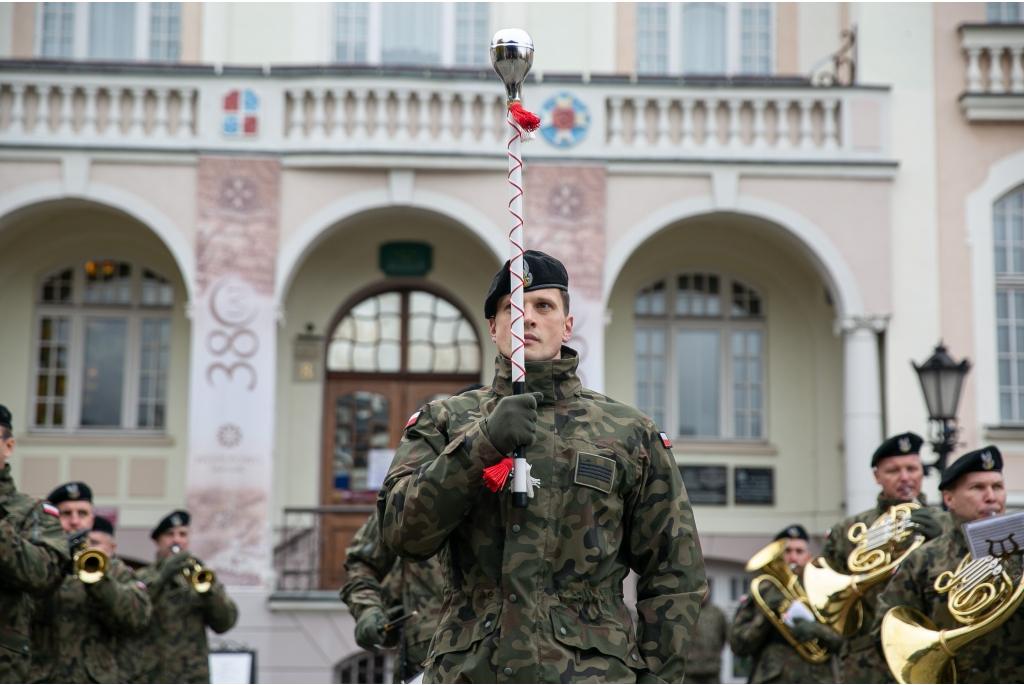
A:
140, 584
50, 509
412, 419
828, 532
665, 441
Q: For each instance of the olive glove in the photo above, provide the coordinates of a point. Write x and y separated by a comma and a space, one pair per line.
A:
926, 522
370, 629
173, 566
513, 422
805, 631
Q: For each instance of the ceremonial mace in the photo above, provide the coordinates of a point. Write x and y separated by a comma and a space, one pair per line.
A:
512, 57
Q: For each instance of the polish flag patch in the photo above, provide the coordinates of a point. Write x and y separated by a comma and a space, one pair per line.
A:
412, 419
665, 441
140, 584
50, 509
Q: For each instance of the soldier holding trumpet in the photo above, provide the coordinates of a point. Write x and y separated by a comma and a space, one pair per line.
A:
75, 628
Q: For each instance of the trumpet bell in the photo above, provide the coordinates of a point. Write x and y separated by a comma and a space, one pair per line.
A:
201, 578
915, 649
91, 565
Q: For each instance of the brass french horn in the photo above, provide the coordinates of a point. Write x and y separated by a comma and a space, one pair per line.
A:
880, 549
981, 595
200, 577
774, 570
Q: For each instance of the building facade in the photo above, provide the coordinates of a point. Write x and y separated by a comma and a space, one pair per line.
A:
241, 243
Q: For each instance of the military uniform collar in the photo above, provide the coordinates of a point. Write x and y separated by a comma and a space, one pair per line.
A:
884, 503
7, 482
555, 379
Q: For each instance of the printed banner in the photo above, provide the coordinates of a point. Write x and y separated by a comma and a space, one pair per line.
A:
233, 364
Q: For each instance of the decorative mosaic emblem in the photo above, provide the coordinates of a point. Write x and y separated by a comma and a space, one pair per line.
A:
564, 120
241, 114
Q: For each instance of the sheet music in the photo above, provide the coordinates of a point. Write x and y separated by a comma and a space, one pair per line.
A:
997, 536
797, 610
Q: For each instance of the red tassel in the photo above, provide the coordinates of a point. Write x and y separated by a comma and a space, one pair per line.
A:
528, 121
495, 476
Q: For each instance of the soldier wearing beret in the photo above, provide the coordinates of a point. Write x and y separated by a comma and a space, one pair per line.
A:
76, 627
33, 555
535, 594
972, 488
775, 660
897, 468
177, 642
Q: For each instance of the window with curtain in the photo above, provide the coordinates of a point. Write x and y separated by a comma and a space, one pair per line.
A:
756, 34
699, 356
411, 33
1008, 241
472, 33
703, 38
112, 30
165, 31
102, 347
57, 30
652, 36
1003, 12
351, 26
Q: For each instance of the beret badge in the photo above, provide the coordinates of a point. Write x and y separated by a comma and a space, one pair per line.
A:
904, 445
73, 491
987, 462
175, 520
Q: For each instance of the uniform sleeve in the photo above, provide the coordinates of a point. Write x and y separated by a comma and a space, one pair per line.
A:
432, 485
665, 553
833, 549
219, 611
126, 605
34, 558
749, 630
367, 562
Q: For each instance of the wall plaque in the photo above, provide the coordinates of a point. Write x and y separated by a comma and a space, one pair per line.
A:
706, 484
754, 486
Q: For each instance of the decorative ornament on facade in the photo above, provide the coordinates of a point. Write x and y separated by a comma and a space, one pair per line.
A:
564, 120
241, 114
229, 435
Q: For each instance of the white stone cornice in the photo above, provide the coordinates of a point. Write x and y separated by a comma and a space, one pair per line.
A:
872, 322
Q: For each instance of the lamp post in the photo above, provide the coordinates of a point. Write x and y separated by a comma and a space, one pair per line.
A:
941, 379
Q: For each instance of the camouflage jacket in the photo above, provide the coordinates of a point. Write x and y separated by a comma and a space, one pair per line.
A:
993, 658
177, 633
76, 627
377, 577
709, 636
33, 555
859, 661
774, 659
535, 594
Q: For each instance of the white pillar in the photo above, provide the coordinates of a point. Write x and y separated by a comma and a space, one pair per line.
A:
862, 410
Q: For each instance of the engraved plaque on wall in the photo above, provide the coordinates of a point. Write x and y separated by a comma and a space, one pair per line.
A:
754, 486
705, 484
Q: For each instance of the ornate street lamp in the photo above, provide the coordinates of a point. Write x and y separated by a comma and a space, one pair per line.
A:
941, 380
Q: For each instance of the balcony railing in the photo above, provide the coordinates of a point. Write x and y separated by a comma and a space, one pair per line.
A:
309, 552
348, 110
995, 71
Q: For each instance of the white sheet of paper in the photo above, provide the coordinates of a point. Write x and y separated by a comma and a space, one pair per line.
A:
379, 461
996, 536
230, 667
797, 610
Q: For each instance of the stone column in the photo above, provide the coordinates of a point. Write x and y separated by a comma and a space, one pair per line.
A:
862, 409
233, 363
565, 217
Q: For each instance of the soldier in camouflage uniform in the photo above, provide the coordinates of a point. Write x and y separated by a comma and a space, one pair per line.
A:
535, 594
177, 634
897, 468
775, 660
75, 628
972, 488
704, 662
33, 555
382, 586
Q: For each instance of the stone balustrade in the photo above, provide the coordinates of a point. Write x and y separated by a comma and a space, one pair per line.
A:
995, 71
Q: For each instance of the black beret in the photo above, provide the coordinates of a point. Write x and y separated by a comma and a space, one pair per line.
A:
175, 518
5, 418
101, 524
540, 271
898, 446
794, 532
71, 492
985, 459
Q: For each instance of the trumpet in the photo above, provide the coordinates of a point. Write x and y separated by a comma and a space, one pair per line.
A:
91, 564
200, 577
836, 597
979, 596
770, 561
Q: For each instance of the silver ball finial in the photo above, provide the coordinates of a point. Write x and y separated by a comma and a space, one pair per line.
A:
512, 57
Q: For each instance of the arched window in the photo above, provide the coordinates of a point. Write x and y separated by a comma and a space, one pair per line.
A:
700, 356
1008, 241
102, 347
